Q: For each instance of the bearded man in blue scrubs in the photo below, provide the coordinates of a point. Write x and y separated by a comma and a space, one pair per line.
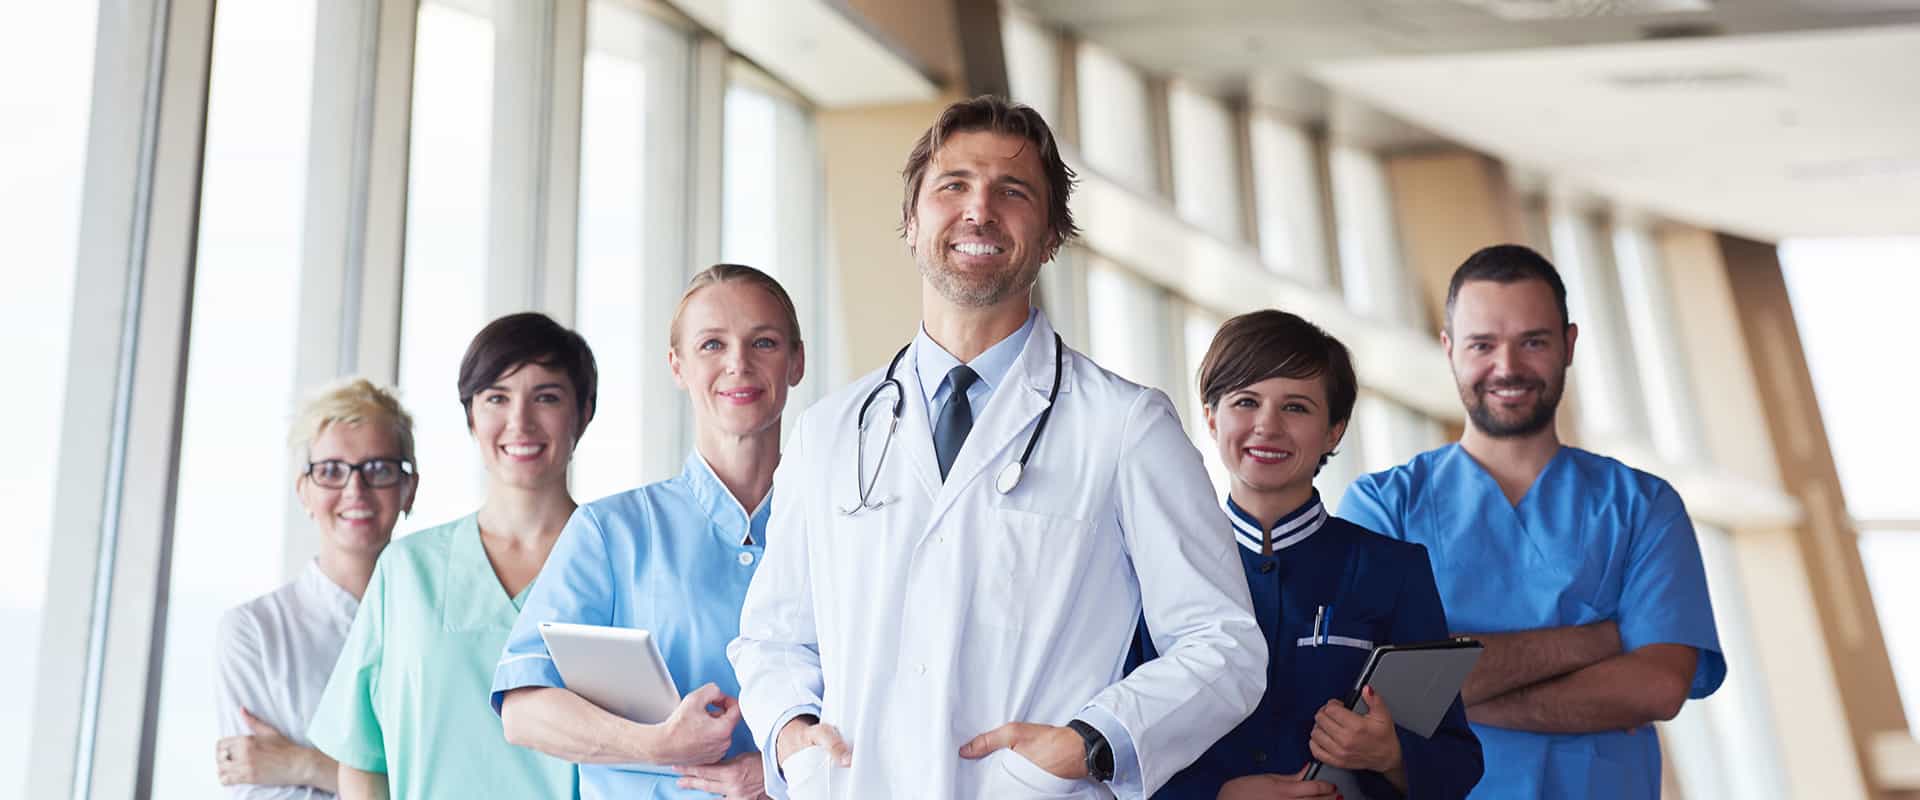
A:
1580, 574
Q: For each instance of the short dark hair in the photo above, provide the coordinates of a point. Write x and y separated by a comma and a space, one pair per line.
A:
1508, 263
1258, 345
996, 115
529, 338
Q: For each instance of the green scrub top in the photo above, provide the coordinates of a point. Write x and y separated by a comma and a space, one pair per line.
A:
408, 696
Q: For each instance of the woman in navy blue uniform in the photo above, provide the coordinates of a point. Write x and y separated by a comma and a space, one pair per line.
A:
1278, 393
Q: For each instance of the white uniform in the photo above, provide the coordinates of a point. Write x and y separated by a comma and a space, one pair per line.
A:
275, 653
954, 609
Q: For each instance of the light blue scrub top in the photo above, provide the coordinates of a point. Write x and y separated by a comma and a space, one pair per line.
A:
1592, 540
671, 557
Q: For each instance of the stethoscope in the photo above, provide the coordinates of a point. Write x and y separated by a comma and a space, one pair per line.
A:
864, 483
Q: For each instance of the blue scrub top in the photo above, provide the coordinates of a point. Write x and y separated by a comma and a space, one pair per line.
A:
1592, 540
1365, 590
674, 558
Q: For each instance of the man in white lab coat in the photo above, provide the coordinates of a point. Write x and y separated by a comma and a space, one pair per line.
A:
933, 621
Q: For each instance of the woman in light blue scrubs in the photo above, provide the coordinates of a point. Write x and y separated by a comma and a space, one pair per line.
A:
674, 558
402, 711
1278, 393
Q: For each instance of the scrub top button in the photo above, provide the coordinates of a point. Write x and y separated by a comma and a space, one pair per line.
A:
746, 558
1266, 568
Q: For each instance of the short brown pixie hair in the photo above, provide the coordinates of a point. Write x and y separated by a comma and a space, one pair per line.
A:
1269, 343
529, 338
996, 115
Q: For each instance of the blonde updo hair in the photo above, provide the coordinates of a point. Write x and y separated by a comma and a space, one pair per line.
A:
351, 402
729, 273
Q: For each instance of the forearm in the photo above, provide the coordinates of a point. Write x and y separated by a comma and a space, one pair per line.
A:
358, 785
319, 771
1523, 658
1618, 693
566, 726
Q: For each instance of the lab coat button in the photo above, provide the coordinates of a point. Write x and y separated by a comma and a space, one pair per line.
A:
920, 669
746, 558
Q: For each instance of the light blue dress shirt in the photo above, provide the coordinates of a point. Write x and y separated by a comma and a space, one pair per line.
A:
673, 557
933, 362
1592, 540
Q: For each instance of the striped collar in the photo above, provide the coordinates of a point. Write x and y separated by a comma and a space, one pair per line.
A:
1292, 529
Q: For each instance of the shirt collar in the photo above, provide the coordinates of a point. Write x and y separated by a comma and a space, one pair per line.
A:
933, 362
1292, 529
723, 510
319, 591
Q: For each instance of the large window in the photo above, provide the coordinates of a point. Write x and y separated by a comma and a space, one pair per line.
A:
1116, 120
444, 300
772, 195
1850, 300
632, 116
1127, 321
1206, 163
233, 490
42, 160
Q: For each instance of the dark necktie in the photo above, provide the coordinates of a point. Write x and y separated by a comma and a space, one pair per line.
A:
956, 418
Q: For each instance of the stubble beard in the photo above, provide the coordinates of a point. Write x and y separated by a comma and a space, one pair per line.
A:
1480, 408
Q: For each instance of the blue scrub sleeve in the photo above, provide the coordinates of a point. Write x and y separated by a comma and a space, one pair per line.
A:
1664, 597
1367, 505
346, 725
1447, 766
575, 585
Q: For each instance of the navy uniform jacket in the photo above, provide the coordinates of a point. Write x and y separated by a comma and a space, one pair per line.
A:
1368, 590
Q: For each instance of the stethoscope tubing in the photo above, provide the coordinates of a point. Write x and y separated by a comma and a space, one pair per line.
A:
864, 489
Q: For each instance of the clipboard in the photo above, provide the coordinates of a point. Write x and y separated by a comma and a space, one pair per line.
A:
1419, 681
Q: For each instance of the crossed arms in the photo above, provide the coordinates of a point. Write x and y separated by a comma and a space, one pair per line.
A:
1576, 679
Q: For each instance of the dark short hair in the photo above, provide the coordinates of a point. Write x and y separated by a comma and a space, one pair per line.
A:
1258, 345
1508, 263
529, 338
996, 115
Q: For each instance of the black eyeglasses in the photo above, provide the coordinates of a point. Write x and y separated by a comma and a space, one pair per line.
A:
375, 473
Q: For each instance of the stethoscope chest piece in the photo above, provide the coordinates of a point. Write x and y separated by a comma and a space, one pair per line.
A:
1009, 477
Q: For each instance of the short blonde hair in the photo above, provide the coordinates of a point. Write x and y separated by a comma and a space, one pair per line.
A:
729, 273
351, 401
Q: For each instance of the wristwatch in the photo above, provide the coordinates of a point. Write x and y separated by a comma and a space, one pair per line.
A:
1099, 753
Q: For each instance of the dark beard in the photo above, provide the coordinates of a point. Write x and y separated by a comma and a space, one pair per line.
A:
1481, 412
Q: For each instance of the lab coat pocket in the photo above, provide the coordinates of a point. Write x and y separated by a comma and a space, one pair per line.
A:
807, 775
1034, 558
1015, 776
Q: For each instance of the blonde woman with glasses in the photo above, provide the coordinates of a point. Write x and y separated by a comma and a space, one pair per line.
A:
355, 478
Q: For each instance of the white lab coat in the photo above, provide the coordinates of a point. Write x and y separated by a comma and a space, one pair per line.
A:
954, 609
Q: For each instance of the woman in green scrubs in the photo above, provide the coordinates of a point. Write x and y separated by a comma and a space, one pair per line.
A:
405, 711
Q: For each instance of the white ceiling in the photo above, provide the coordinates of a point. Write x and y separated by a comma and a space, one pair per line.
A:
1770, 118
1772, 136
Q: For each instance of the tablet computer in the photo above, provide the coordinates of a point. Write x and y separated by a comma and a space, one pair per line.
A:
1419, 682
617, 669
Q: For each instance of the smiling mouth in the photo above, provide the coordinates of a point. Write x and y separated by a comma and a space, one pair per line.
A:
976, 249
522, 450
742, 395
1267, 455
1511, 392
356, 515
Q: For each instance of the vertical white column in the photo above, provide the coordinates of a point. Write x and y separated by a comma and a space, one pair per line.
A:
113, 512
1671, 410
354, 235
538, 47
1603, 373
